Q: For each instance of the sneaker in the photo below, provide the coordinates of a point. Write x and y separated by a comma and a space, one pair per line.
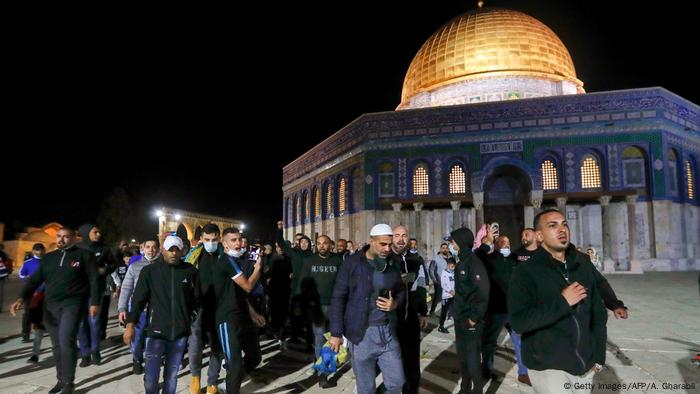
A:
195, 385
68, 388
56, 388
96, 358
524, 379
136, 368
84, 362
324, 383
212, 389
443, 330
33, 359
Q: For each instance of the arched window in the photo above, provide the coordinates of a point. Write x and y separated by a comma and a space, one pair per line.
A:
672, 165
288, 211
633, 168
421, 180
297, 210
317, 203
357, 190
386, 180
690, 179
341, 196
329, 200
550, 175
458, 179
590, 173
307, 207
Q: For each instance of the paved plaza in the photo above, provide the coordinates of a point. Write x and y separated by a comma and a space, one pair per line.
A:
654, 346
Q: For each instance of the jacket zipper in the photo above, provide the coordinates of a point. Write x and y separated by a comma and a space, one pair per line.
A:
578, 328
172, 302
62, 257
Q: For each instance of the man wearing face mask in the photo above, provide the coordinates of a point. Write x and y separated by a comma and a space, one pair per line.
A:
367, 293
436, 270
204, 327
317, 280
170, 288
151, 254
499, 266
233, 319
469, 308
413, 315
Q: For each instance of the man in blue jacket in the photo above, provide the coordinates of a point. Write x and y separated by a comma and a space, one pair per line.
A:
367, 291
28, 268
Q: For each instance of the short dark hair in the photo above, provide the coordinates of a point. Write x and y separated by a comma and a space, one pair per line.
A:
38, 246
526, 229
230, 230
444, 243
413, 239
211, 228
536, 222
154, 240
66, 228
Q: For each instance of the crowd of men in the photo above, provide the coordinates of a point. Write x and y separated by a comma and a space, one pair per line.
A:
225, 293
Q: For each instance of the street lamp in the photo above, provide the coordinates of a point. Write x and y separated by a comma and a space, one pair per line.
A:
242, 226
177, 216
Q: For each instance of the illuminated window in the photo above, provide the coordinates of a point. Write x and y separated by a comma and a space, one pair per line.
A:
590, 173
307, 207
329, 200
550, 179
458, 180
421, 184
691, 184
317, 203
341, 196
297, 204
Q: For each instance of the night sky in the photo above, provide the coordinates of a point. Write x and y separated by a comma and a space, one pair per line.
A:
145, 100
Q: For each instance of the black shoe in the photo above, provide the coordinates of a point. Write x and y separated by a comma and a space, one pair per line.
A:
85, 362
68, 388
56, 388
25, 339
96, 358
137, 368
33, 359
324, 383
443, 330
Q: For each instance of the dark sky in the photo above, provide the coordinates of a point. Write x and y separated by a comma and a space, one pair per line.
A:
201, 109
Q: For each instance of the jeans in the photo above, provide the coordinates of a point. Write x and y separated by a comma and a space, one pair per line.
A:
89, 334
139, 341
378, 346
157, 350
515, 337
195, 348
62, 324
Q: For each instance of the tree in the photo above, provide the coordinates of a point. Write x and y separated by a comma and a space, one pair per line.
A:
115, 217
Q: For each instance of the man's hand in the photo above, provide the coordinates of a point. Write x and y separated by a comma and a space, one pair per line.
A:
335, 343
452, 292
122, 317
386, 304
129, 333
620, 313
471, 323
489, 236
258, 319
574, 293
280, 225
94, 310
115, 294
17, 305
423, 322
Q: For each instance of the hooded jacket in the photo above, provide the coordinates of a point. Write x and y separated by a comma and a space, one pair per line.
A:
471, 282
297, 256
554, 334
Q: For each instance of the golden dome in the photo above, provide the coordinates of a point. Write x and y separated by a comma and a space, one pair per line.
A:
488, 43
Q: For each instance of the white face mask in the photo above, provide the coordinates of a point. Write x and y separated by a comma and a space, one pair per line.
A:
414, 251
235, 253
452, 250
505, 252
211, 247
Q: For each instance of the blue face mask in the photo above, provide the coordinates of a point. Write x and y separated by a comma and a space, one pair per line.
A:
505, 252
211, 247
452, 250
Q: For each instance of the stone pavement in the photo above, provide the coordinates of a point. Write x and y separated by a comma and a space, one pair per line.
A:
654, 345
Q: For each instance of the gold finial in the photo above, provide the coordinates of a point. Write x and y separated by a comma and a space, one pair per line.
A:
480, 3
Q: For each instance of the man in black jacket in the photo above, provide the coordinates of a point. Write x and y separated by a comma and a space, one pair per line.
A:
70, 277
413, 314
554, 302
172, 291
469, 308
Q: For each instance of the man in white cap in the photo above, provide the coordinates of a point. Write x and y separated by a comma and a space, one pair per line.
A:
171, 290
367, 291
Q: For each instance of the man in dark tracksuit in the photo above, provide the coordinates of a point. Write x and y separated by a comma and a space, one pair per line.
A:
233, 321
92, 330
317, 278
171, 290
70, 276
555, 304
469, 308
413, 314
